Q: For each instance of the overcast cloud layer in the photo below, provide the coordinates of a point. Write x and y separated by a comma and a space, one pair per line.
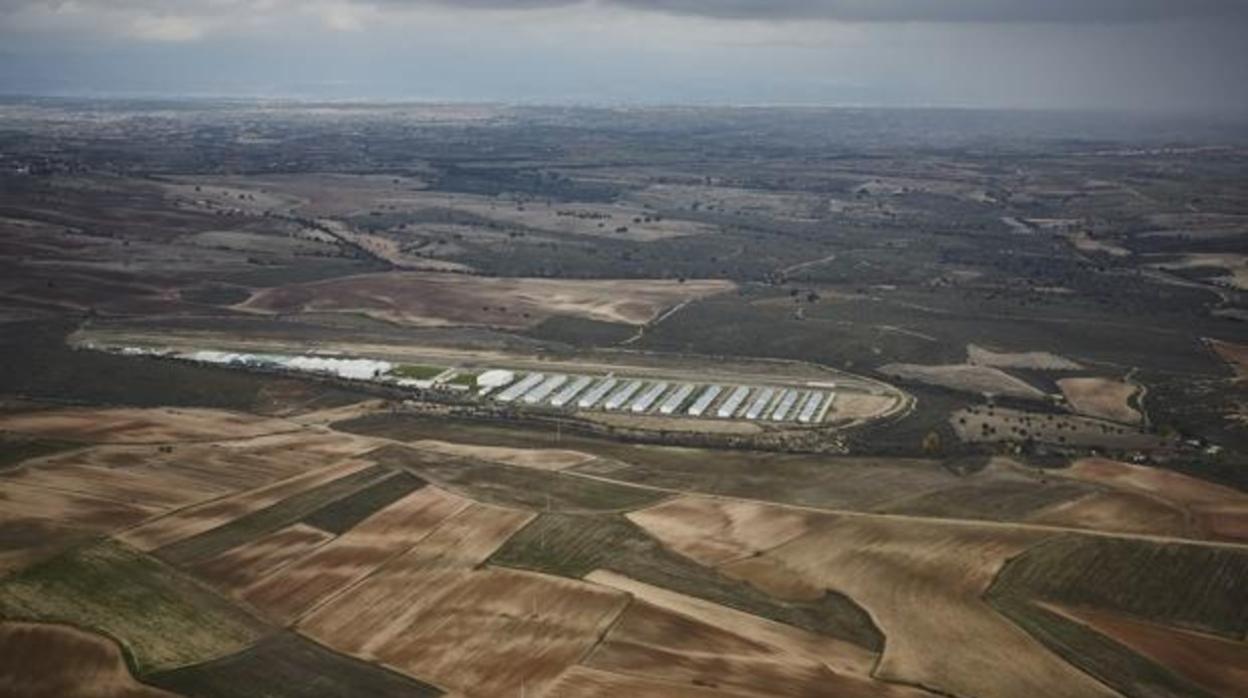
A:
1178, 55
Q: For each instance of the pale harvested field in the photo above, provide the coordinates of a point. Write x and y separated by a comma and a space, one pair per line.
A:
584, 682
244, 565
922, 584
860, 405
1119, 512
1214, 510
424, 299
841, 657
39, 660
155, 490
967, 378
486, 632
136, 426
211, 469
1216, 664
459, 543
70, 508
433, 613
1236, 355
536, 458
1102, 398
659, 644
717, 531
295, 589
1035, 360
185, 523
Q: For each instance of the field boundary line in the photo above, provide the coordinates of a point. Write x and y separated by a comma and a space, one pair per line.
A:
234, 493
353, 584
986, 523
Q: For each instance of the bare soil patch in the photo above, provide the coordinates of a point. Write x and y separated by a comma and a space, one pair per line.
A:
488, 631
660, 644
983, 380
1103, 398
539, 459
423, 299
293, 590
861, 406
1121, 512
584, 682
1033, 360
717, 531
746, 629
213, 469
433, 612
39, 660
125, 425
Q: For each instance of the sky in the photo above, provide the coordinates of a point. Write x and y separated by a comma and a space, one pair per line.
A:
1140, 55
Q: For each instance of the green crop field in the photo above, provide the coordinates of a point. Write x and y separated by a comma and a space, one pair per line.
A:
573, 546
340, 516
287, 665
162, 619
1187, 585
1127, 672
15, 450
517, 486
245, 528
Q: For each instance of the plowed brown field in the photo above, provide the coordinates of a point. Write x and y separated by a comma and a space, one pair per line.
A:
1214, 511
706, 645
923, 586
297, 588
132, 425
185, 523
57, 661
244, 565
716, 531
1120, 512
433, 613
